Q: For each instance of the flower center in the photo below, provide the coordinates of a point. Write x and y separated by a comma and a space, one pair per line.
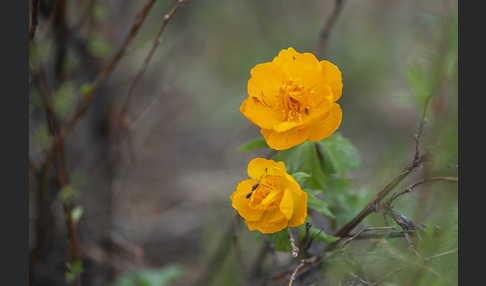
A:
268, 194
294, 100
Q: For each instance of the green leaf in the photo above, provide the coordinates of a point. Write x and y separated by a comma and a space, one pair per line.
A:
74, 269
254, 144
41, 134
318, 205
317, 234
150, 277
281, 240
98, 47
338, 154
301, 177
63, 99
320, 236
76, 213
85, 88
67, 194
420, 82
326, 169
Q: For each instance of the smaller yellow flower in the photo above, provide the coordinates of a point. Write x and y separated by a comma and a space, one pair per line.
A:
293, 99
271, 199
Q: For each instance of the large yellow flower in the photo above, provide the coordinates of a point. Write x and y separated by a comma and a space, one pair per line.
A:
271, 199
292, 99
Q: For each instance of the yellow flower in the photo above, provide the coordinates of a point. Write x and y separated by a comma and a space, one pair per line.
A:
292, 99
271, 199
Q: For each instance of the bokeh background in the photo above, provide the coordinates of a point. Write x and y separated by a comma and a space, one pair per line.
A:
154, 196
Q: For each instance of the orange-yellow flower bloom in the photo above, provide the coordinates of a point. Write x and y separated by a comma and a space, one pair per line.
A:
271, 199
292, 99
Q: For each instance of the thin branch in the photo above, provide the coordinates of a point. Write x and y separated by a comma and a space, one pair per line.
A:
302, 263
295, 249
354, 236
413, 186
85, 102
441, 254
40, 80
34, 18
373, 204
147, 60
326, 30
85, 15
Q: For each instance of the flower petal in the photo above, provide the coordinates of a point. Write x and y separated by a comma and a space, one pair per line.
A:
285, 140
261, 166
303, 66
241, 203
287, 203
261, 115
300, 210
299, 198
324, 127
271, 221
332, 77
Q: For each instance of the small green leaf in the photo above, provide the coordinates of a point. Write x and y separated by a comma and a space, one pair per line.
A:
86, 89
67, 194
74, 269
420, 82
41, 134
281, 240
254, 144
63, 99
98, 47
151, 277
317, 234
320, 236
301, 177
318, 205
76, 213
338, 155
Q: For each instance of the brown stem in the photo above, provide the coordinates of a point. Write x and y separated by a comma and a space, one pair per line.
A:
61, 40
87, 98
326, 30
373, 204
58, 154
413, 186
34, 18
147, 60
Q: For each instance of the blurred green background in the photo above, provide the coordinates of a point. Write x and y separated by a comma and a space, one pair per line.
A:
154, 200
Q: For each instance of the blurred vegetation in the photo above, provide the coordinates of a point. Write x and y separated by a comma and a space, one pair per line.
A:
153, 202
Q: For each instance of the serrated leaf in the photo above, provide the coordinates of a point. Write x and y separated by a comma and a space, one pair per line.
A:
254, 144
318, 205
317, 234
338, 154
281, 240
320, 236
301, 177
